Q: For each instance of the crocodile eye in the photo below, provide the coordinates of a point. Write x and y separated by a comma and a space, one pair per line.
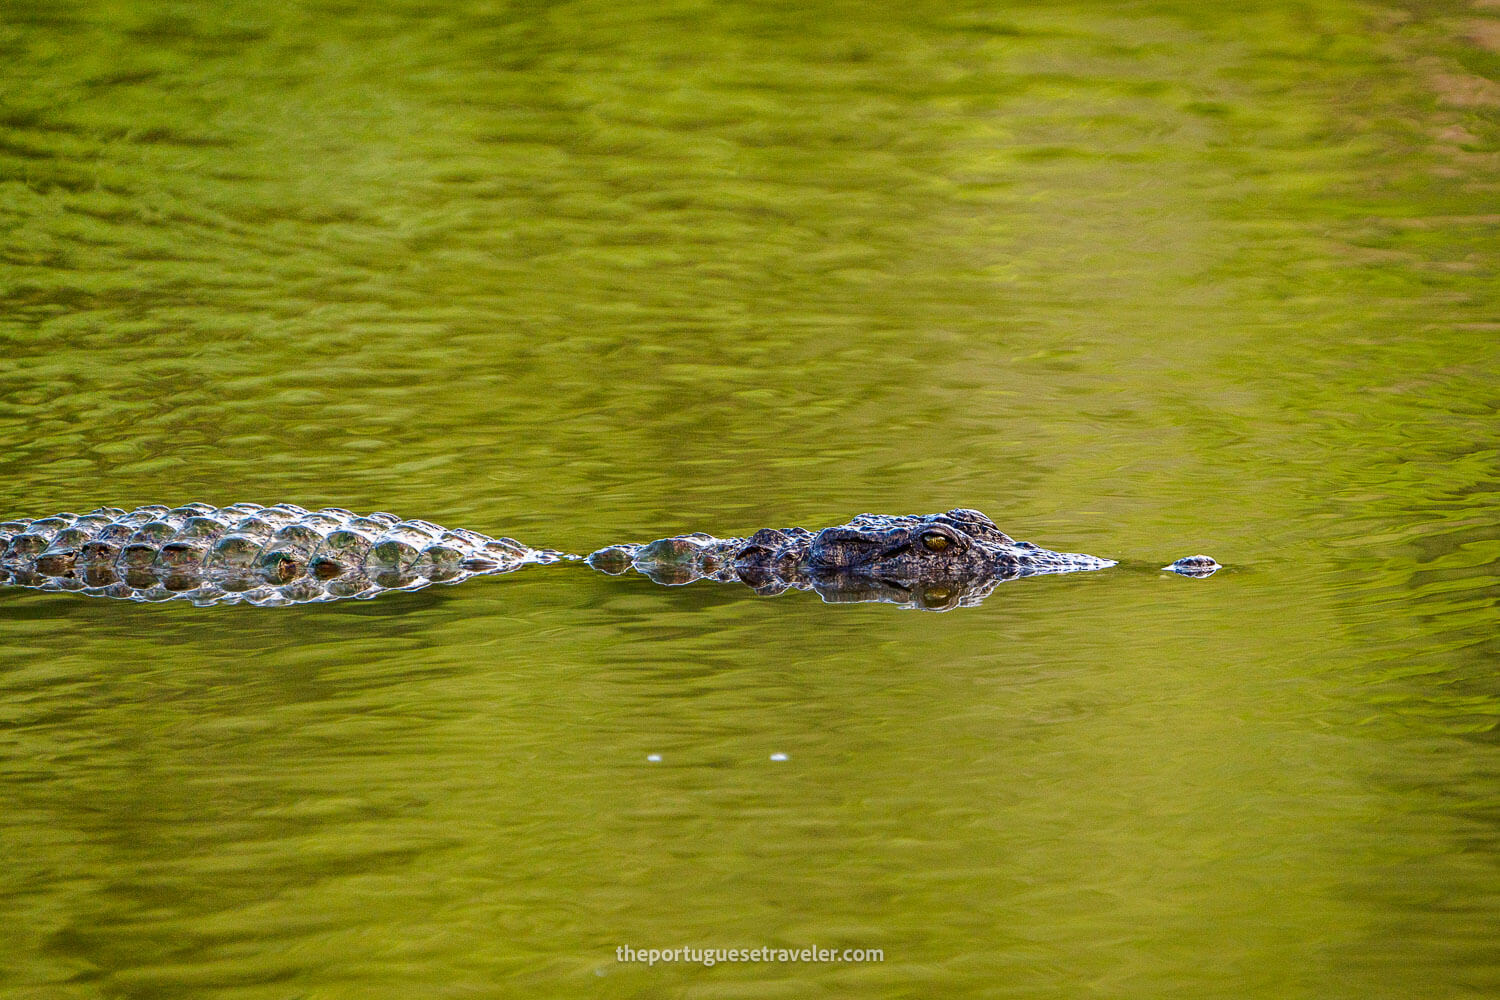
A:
935, 542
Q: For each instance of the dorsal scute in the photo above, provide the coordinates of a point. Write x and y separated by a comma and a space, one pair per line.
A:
282, 553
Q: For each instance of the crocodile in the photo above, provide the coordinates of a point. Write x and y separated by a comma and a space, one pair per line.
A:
286, 554
929, 562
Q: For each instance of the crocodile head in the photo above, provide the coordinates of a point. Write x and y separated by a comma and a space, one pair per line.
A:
956, 545
929, 561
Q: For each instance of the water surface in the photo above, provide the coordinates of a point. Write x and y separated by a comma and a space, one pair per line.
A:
1138, 280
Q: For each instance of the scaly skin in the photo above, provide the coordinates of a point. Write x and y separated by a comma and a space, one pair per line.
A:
931, 562
246, 553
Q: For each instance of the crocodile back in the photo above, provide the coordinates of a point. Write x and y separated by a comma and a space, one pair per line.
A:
246, 553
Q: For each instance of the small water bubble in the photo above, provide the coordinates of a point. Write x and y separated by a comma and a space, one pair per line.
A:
778, 756
654, 758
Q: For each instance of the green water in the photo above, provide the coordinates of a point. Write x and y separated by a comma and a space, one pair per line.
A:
1138, 279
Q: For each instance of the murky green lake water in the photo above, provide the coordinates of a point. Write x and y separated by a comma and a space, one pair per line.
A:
1138, 280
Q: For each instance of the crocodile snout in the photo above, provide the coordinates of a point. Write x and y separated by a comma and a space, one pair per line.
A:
842, 548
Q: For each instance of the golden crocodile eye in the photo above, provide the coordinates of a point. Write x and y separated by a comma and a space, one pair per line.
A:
935, 542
